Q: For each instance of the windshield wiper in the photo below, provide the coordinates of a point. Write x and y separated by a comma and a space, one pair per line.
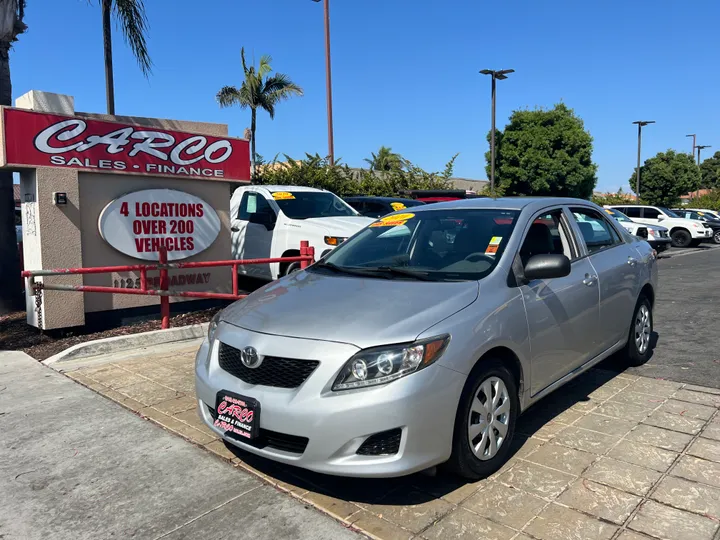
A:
405, 272
346, 270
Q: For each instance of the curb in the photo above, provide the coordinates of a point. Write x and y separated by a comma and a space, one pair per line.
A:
132, 341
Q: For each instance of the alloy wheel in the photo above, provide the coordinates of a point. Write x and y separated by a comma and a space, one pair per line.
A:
489, 418
642, 329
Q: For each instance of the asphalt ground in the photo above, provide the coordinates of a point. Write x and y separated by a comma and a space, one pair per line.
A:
686, 319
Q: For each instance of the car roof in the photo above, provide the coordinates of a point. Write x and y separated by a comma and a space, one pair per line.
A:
289, 188
503, 203
380, 199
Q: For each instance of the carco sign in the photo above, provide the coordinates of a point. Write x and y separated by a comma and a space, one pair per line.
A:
49, 140
139, 224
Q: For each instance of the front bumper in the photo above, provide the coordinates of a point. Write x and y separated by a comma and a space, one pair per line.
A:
422, 405
659, 243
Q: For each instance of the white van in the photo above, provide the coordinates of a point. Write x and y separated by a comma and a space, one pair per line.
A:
683, 232
270, 221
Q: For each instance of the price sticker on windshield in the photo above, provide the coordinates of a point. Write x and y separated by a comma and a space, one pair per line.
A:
493, 245
282, 195
393, 220
397, 206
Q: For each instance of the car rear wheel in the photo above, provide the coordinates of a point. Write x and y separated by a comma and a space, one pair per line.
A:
638, 347
292, 268
716, 237
485, 421
681, 238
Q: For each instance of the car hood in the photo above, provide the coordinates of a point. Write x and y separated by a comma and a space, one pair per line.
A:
656, 228
336, 226
364, 312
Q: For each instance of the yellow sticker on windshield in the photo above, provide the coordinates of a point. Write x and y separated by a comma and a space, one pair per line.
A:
701, 213
282, 195
393, 220
609, 211
495, 240
397, 206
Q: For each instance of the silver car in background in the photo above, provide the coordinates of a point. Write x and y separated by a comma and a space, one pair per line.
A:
421, 339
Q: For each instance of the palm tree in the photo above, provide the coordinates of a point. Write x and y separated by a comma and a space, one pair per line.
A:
131, 15
386, 160
259, 90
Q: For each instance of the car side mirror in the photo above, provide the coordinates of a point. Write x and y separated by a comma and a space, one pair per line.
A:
263, 218
547, 267
660, 217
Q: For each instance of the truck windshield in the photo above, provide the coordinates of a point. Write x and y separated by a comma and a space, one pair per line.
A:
437, 245
311, 204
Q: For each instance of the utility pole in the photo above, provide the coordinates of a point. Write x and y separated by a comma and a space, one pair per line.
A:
495, 75
700, 147
640, 124
328, 82
693, 136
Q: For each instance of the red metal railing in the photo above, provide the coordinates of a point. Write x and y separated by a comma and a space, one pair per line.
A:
306, 257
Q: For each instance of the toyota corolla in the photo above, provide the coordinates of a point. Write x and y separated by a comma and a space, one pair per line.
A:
421, 339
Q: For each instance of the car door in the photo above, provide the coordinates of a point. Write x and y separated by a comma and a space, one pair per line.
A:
615, 262
252, 233
562, 313
651, 216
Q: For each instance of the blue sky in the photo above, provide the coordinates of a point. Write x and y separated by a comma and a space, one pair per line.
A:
405, 72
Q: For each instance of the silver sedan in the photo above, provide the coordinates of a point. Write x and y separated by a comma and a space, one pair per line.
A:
421, 339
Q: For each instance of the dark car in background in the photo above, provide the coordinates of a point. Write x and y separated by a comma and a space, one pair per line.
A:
380, 206
711, 221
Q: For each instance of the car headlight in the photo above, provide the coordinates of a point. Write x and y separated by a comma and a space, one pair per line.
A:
212, 327
335, 240
381, 365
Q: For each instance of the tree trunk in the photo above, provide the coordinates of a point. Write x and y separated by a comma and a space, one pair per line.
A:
10, 283
107, 49
252, 142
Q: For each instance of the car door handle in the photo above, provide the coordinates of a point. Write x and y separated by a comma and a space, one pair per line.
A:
589, 280
234, 229
631, 261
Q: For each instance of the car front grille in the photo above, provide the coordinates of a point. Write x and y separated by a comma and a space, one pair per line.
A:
274, 371
642, 232
663, 234
270, 439
384, 443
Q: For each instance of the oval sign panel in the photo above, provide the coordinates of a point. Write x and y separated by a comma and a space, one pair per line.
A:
139, 224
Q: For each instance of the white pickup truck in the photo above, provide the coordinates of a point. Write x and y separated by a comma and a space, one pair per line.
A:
270, 222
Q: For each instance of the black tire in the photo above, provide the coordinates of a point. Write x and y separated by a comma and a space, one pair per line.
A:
634, 356
681, 238
716, 237
463, 461
695, 243
291, 268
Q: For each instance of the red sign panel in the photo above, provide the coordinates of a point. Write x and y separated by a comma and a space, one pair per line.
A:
48, 140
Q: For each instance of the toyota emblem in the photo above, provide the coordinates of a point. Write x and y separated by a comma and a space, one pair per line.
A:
250, 358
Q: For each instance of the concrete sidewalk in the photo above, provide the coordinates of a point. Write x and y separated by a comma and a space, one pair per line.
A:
608, 457
74, 465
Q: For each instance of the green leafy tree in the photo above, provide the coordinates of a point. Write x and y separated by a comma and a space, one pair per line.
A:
386, 160
667, 176
544, 152
711, 200
259, 90
710, 171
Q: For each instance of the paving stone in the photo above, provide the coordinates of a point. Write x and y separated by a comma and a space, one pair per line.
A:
662, 438
711, 431
536, 479
699, 470
559, 523
177, 405
688, 410
453, 489
602, 393
79, 376
623, 411
337, 507
713, 400
621, 475
378, 527
588, 441
687, 495
418, 512
562, 458
675, 422
464, 525
218, 447
504, 504
644, 455
605, 424
149, 393
584, 406
546, 432
599, 500
704, 389
706, 449
522, 446
655, 387
632, 535
638, 398
666, 522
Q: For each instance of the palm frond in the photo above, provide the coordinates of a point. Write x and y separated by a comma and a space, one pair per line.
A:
229, 95
134, 24
279, 87
264, 67
242, 57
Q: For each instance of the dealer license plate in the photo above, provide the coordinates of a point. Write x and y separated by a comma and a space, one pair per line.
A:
238, 416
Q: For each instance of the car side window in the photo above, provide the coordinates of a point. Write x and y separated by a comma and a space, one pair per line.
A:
631, 211
547, 235
375, 209
597, 233
253, 203
650, 213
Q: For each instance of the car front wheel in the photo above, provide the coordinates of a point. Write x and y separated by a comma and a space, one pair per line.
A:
716, 237
681, 238
485, 421
638, 347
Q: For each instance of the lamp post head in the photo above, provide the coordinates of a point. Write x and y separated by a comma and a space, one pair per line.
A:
643, 123
497, 74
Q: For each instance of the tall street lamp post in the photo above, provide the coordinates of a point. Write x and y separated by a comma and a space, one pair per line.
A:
495, 75
328, 82
693, 136
640, 124
700, 147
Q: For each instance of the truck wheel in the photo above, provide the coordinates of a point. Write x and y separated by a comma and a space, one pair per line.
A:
681, 238
485, 421
292, 268
638, 347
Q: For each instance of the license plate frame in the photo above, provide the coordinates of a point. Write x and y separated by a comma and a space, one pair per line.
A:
238, 416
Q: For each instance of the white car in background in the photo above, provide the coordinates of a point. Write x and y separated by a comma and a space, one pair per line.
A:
271, 221
683, 232
713, 213
655, 235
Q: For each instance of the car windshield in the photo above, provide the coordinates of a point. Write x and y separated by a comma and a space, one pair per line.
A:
437, 245
311, 204
618, 215
667, 212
